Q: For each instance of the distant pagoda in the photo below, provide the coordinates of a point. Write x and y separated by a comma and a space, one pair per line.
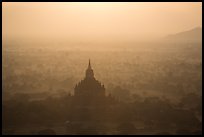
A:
89, 86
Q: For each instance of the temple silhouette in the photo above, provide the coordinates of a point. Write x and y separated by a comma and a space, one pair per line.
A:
89, 102
89, 87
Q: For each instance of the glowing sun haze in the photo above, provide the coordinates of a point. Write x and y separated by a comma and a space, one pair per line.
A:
98, 21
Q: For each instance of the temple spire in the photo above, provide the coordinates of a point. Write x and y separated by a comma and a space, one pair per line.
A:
89, 64
89, 71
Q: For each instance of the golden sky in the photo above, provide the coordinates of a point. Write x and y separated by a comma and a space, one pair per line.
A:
99, 21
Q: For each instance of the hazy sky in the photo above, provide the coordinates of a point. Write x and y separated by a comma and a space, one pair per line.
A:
98, 21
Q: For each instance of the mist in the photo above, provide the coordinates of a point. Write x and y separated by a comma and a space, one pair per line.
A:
98, 22
102, 68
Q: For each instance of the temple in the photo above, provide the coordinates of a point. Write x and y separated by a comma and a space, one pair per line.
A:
89, 86
89, 104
